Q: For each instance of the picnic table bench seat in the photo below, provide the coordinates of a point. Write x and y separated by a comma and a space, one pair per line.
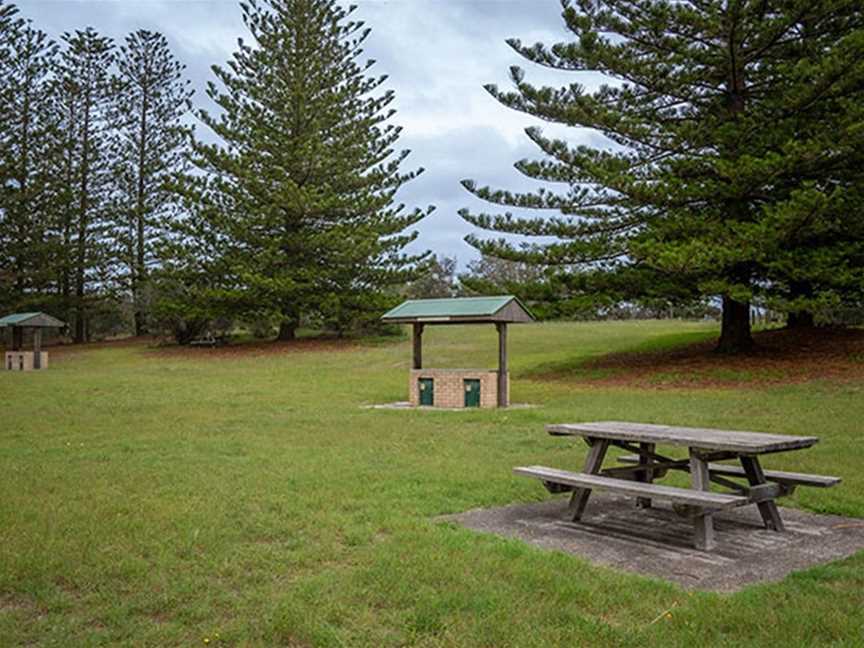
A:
706, 448
779, 476
704, 499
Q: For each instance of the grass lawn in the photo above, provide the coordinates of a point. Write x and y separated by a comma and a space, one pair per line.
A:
158, 498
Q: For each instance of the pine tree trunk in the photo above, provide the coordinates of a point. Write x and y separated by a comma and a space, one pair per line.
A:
137, 278
735, 335
66, 268
287, 330
24, 221
289, 324
81, 243
800, 320
83, 225
140, 259
80, 332
139, 322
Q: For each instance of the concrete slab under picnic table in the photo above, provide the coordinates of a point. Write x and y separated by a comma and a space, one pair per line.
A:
658, 542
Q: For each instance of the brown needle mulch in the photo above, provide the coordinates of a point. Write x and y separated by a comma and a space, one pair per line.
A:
236, 350
257, 348
779, 357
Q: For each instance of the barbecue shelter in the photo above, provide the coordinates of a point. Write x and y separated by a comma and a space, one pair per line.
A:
459, 387
17, 359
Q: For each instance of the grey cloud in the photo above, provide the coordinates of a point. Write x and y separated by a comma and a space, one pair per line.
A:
438, 54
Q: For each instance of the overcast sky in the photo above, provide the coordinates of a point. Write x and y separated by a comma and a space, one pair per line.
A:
437, 53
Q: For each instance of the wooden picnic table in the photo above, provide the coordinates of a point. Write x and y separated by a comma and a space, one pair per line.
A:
705, 448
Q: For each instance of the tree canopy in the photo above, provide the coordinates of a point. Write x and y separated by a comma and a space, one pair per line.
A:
152, 98
89, 137
298, 197
732, 162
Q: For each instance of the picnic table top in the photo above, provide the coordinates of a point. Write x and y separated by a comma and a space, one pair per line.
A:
703, 438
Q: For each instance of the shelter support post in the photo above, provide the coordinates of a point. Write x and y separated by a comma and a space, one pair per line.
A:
17, 338
418, 346
502, 364
37, 348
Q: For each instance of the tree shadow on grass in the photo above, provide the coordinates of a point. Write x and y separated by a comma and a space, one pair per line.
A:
779, 357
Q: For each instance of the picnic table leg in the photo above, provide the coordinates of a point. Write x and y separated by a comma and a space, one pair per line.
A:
593, 463
645, 475
767, 509
703, 522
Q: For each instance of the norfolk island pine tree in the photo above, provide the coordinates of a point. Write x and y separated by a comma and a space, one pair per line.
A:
298, 199
734, 144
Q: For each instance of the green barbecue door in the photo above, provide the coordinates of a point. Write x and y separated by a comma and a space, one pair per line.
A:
472, 392
427, 391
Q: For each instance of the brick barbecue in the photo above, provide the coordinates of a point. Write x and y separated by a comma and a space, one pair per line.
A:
450, 386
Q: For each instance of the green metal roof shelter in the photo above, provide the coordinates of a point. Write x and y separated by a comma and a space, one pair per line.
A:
31, 320
18, 322
499, 310
460, 310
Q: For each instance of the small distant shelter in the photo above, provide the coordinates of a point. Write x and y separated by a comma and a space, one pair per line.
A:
460, 387
18, 359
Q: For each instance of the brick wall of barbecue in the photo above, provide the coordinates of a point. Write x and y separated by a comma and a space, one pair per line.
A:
23, 360
449, 387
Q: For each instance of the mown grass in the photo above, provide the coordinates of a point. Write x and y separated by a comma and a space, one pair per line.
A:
150, 499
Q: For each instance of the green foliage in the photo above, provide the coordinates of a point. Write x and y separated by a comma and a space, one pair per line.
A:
184, 310
436, 279
28, 185
492, 276
298, 200
85, 155
83, 87
625, 292
185, 294
151, 99
732, 155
